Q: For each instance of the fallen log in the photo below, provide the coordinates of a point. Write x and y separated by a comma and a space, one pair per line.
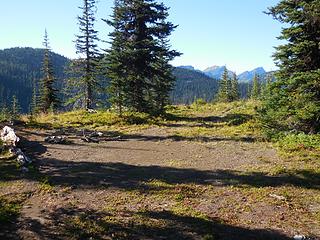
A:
89, 139
56, 139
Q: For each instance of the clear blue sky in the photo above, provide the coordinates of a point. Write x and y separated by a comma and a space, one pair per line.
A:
235, 33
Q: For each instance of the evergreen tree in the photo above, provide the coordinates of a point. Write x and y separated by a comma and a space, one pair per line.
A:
266, 87
249, 90
295, 96
138, 62
235, 95
256, 88
225, 88
34, 104
85, 68
164, 80
48, 97
15, 107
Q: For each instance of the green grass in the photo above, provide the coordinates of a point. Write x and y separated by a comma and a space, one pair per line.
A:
102, 120
235, 121
303, 146
162, 208
108, 117
45, 186
9, 208
130, 215
4, 115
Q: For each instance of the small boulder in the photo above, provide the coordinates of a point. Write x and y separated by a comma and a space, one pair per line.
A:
9, 137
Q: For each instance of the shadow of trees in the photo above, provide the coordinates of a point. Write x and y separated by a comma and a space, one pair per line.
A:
177, 138
75, 223
124, 176
87, 174
81, 174
230, 119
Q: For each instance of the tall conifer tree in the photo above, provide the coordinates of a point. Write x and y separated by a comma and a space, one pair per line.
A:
225, 88
86, 66
34, 104
48, 97
15, 107
294, 102
138, 61
235, 95
256, 87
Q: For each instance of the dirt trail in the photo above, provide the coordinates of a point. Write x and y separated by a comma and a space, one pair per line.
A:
85, 178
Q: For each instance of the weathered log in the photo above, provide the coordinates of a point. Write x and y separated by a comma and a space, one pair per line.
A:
56, 139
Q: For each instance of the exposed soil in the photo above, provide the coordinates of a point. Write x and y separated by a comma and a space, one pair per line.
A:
150, 185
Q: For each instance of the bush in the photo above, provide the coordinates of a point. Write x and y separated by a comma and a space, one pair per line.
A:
199, 102
298, 142
293, 105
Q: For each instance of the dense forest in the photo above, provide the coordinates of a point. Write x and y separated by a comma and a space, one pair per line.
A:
20, 71
135, 73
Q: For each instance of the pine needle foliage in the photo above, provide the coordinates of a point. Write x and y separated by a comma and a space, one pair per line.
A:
256, 87
225, 88
235, 94
48, 93
294, 102
15, 107
137, 63
85, 67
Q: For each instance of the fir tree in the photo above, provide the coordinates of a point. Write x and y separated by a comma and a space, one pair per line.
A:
15, 107
34, 104
85, 68
248, 90
225, 88
256, 88
138, 61
48, 97
294, 100
266, 87
163, 82
235, 95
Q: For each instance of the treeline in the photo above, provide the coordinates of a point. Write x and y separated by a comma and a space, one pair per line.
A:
20, 72
133, 74
23, 77
191, 85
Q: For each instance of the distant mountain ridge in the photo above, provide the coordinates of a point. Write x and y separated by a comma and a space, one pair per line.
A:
192, 84
249, 75
20, 72
216, 72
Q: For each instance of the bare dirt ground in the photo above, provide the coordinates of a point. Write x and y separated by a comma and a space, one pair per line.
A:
151, 185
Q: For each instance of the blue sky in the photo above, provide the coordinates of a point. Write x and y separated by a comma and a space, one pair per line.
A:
211, 32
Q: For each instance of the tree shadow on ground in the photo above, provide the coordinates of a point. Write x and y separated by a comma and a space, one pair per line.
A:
178, 138
76, 223
74, 134
86, 174
124, 176
229, 119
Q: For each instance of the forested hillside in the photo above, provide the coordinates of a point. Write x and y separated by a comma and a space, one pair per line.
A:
20, 70
191, 85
